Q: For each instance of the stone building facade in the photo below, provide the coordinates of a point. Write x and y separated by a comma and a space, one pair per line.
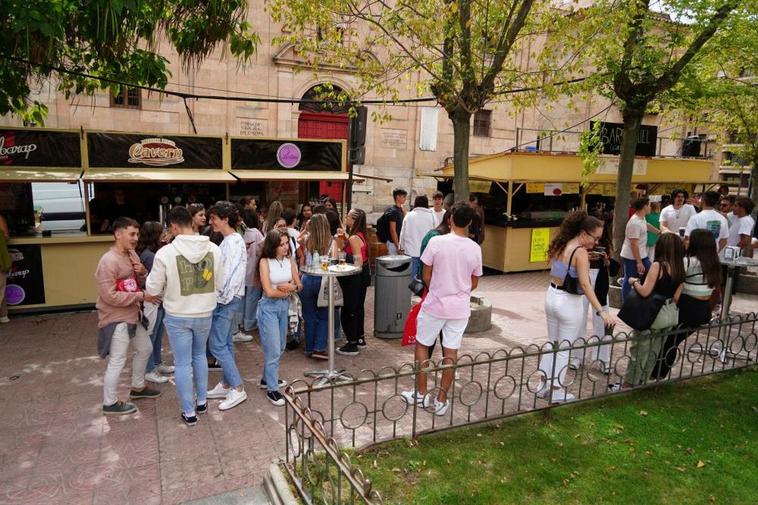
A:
416, 140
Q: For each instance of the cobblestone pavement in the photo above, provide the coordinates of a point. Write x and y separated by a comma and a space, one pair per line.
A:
56, 447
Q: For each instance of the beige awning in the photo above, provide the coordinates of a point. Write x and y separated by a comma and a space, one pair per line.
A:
293, 175
39, 175
166, 175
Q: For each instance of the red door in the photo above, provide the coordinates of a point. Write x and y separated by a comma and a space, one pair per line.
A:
322, 125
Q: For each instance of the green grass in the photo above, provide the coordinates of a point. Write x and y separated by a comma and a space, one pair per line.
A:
683, 444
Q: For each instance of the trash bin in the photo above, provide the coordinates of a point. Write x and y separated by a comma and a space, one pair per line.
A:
392, 298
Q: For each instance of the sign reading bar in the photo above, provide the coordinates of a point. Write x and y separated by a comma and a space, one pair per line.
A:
612, 135
539, 244
255, 154
126, 150
40, 148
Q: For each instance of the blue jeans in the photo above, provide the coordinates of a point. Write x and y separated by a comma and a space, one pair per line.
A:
272, 326
252, 295
188, 336
316, 318
417, 267
630, 270
156, 337
220, 341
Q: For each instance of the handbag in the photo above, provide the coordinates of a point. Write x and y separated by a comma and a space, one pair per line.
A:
571, 284
323, 294
638, 312
417, 286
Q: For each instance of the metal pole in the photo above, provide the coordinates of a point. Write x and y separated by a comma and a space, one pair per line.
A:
330, 284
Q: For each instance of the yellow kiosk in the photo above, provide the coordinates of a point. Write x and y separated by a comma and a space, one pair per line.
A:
519, 241
54, 270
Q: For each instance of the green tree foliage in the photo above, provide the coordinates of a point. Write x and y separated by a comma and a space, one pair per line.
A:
466, 52
112, 39
647, 53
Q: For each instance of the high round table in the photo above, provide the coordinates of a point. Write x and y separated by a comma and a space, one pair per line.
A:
331, 374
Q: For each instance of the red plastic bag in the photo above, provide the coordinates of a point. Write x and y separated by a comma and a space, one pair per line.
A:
409, 331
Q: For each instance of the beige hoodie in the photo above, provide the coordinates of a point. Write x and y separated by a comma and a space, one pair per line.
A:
188, 273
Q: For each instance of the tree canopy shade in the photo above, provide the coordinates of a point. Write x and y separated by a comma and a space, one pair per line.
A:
647, 52
112, 39
466, 52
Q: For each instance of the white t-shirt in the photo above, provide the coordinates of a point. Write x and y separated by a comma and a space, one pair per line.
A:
673, 219
438, 217
709, 220
636, 227
741, 226
454, 260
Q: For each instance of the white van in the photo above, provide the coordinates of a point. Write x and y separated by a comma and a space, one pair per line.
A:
61, 203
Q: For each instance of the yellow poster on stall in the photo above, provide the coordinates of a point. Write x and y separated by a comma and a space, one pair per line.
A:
539, 245
479, 186
535, 187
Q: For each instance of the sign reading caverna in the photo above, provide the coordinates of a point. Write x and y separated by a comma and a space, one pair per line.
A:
127, 150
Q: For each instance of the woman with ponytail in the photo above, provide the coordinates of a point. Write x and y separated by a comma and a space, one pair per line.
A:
569, 284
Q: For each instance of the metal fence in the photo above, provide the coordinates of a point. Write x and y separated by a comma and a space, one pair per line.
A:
369, 409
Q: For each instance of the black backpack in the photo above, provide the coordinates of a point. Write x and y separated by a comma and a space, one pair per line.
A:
383, 226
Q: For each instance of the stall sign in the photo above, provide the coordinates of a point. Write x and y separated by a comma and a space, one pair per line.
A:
553, 189
127, 150
610, 166
535, 187
539, 245
25, 285
262, 154
479, 186
40, 148
612, 135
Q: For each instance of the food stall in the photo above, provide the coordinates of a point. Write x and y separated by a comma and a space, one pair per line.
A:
134, 174
526, 195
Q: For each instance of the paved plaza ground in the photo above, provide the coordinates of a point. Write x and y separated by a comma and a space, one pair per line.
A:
56, 447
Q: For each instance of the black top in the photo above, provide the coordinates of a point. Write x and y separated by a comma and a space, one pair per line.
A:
665, 284
395, 214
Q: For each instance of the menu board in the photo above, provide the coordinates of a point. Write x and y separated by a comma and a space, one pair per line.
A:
539, 244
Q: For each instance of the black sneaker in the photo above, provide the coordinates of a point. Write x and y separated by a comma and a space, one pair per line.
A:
119, 409
276, 398
349, 349
361, 342
262, 384
214, 366
145, 392
292, 345
190, 420
201, 409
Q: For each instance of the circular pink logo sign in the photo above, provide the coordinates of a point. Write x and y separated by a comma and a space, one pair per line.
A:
288, 155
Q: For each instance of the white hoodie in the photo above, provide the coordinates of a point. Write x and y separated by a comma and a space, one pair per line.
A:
416, 224
188, 272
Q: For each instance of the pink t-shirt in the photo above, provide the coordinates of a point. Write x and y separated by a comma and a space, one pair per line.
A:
454, 259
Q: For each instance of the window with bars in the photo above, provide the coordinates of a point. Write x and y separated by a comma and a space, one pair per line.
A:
127, 98
482, 123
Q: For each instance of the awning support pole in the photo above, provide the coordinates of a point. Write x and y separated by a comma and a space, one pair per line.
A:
509, 203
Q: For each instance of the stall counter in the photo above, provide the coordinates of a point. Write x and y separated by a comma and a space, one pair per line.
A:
54, 272
517, 248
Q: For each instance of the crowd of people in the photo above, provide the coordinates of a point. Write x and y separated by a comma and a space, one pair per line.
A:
215, 276
681, 261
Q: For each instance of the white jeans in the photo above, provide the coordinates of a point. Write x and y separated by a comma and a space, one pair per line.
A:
602, 352
564, 320
117, 358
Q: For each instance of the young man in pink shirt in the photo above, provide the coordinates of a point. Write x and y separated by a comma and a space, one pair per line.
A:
119, 277
452, 267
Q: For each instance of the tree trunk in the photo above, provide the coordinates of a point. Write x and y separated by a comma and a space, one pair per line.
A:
461, 136
632, 122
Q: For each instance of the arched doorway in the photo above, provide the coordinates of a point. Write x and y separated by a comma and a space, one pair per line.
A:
323, 120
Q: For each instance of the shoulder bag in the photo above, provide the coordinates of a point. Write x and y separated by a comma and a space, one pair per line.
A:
639, 312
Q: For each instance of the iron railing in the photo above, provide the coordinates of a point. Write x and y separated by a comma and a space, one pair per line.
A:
369, 409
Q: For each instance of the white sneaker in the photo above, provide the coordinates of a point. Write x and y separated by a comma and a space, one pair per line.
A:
440, 408
561, 396
233, 399
218, 392
412, 397
167, 369
5, 319
156, 378
241, 336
